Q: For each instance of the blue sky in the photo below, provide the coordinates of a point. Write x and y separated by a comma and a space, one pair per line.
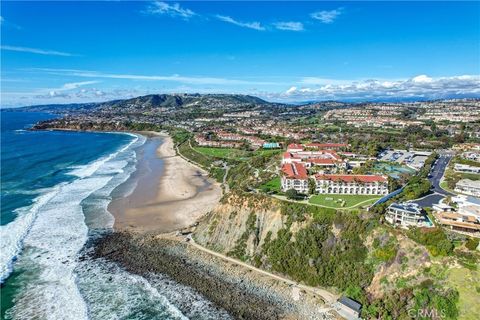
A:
60, 52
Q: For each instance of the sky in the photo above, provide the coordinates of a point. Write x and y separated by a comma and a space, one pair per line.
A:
66, 52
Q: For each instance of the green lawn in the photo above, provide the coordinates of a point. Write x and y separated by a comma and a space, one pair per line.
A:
230, 153
264, 152
335, 200
221, 152
272, 185
445, 187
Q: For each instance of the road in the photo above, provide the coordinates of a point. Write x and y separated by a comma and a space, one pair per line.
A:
435, 178
328, 297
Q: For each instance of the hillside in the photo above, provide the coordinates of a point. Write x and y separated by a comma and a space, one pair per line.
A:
389, 271
151, 102
179, 100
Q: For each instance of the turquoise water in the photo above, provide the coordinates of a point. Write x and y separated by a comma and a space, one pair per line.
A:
55, 189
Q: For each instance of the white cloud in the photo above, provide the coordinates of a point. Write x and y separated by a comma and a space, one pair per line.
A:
250, 25
327, 16
291, 90
172, 78
420, 86
422, 79
289, 25
36, 51
172, 10
61, 92
75, 85
82, 95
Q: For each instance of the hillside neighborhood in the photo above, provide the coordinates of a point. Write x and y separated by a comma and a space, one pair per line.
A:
411, 169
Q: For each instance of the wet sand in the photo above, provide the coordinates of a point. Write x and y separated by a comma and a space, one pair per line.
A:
170, 193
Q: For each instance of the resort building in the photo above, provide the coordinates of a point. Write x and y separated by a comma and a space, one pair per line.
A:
406, 215
326, 159
328, 146
324, 164
294, 176
295, 147
312, 156
351, 184
467, 186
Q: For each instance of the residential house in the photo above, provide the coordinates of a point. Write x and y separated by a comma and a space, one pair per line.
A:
466, 168
407, 214
467, 186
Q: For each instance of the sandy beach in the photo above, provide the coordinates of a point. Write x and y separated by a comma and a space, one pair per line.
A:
170, 193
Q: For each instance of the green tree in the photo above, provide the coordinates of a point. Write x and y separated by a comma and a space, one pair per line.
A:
312, 186
292, 194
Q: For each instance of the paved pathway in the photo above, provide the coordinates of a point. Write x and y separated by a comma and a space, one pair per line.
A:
327, 296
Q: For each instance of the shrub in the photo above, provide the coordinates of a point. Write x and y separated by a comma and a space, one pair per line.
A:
472, 244
434, 239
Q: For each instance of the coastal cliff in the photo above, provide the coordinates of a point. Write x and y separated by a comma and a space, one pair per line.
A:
240, 220
345, 252
313, 245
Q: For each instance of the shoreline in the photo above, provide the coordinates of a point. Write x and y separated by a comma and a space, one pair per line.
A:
242, 293
170, 193
143, 243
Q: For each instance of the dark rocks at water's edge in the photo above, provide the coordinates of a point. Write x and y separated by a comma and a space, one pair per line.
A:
144, 255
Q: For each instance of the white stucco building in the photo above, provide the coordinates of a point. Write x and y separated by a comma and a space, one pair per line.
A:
407, 215
467, 186
294, 176
351, 184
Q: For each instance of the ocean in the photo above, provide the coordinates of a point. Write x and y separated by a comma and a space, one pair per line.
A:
55, 189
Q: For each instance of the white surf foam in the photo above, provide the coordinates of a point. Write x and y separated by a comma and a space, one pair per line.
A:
13, 233
51, 247
54, 284
88, 170
52, 232
113, 293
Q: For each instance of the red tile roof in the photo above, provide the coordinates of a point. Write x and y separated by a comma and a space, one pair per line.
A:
295, 171
322, 161
326, 145
287, 155
351, 177
333, 154
294, 146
